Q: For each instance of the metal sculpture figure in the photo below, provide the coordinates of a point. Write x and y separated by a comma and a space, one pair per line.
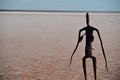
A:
88, 48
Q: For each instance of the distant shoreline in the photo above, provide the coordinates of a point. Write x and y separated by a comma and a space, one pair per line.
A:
61, 11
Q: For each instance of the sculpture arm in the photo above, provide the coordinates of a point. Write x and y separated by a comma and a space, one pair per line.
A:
102, 48
79, 40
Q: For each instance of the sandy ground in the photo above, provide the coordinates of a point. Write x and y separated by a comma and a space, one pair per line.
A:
38, 46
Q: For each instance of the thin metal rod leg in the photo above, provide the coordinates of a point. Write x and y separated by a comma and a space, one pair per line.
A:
94, 66
84, 67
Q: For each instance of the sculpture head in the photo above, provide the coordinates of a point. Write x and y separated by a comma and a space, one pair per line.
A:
87, 19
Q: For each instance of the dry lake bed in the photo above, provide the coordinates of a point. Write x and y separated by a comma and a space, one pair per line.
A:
38, 46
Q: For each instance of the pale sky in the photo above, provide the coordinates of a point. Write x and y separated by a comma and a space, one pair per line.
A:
79, 5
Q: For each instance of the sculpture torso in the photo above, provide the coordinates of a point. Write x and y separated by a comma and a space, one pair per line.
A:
89, 39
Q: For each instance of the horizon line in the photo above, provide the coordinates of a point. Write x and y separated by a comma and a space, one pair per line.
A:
76, 11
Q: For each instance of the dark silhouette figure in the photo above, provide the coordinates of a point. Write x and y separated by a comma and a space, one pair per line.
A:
88, 48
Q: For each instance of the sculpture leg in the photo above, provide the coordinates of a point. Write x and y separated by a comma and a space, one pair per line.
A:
94, 66
84, 67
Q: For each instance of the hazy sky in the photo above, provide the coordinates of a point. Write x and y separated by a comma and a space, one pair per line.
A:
82, 5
